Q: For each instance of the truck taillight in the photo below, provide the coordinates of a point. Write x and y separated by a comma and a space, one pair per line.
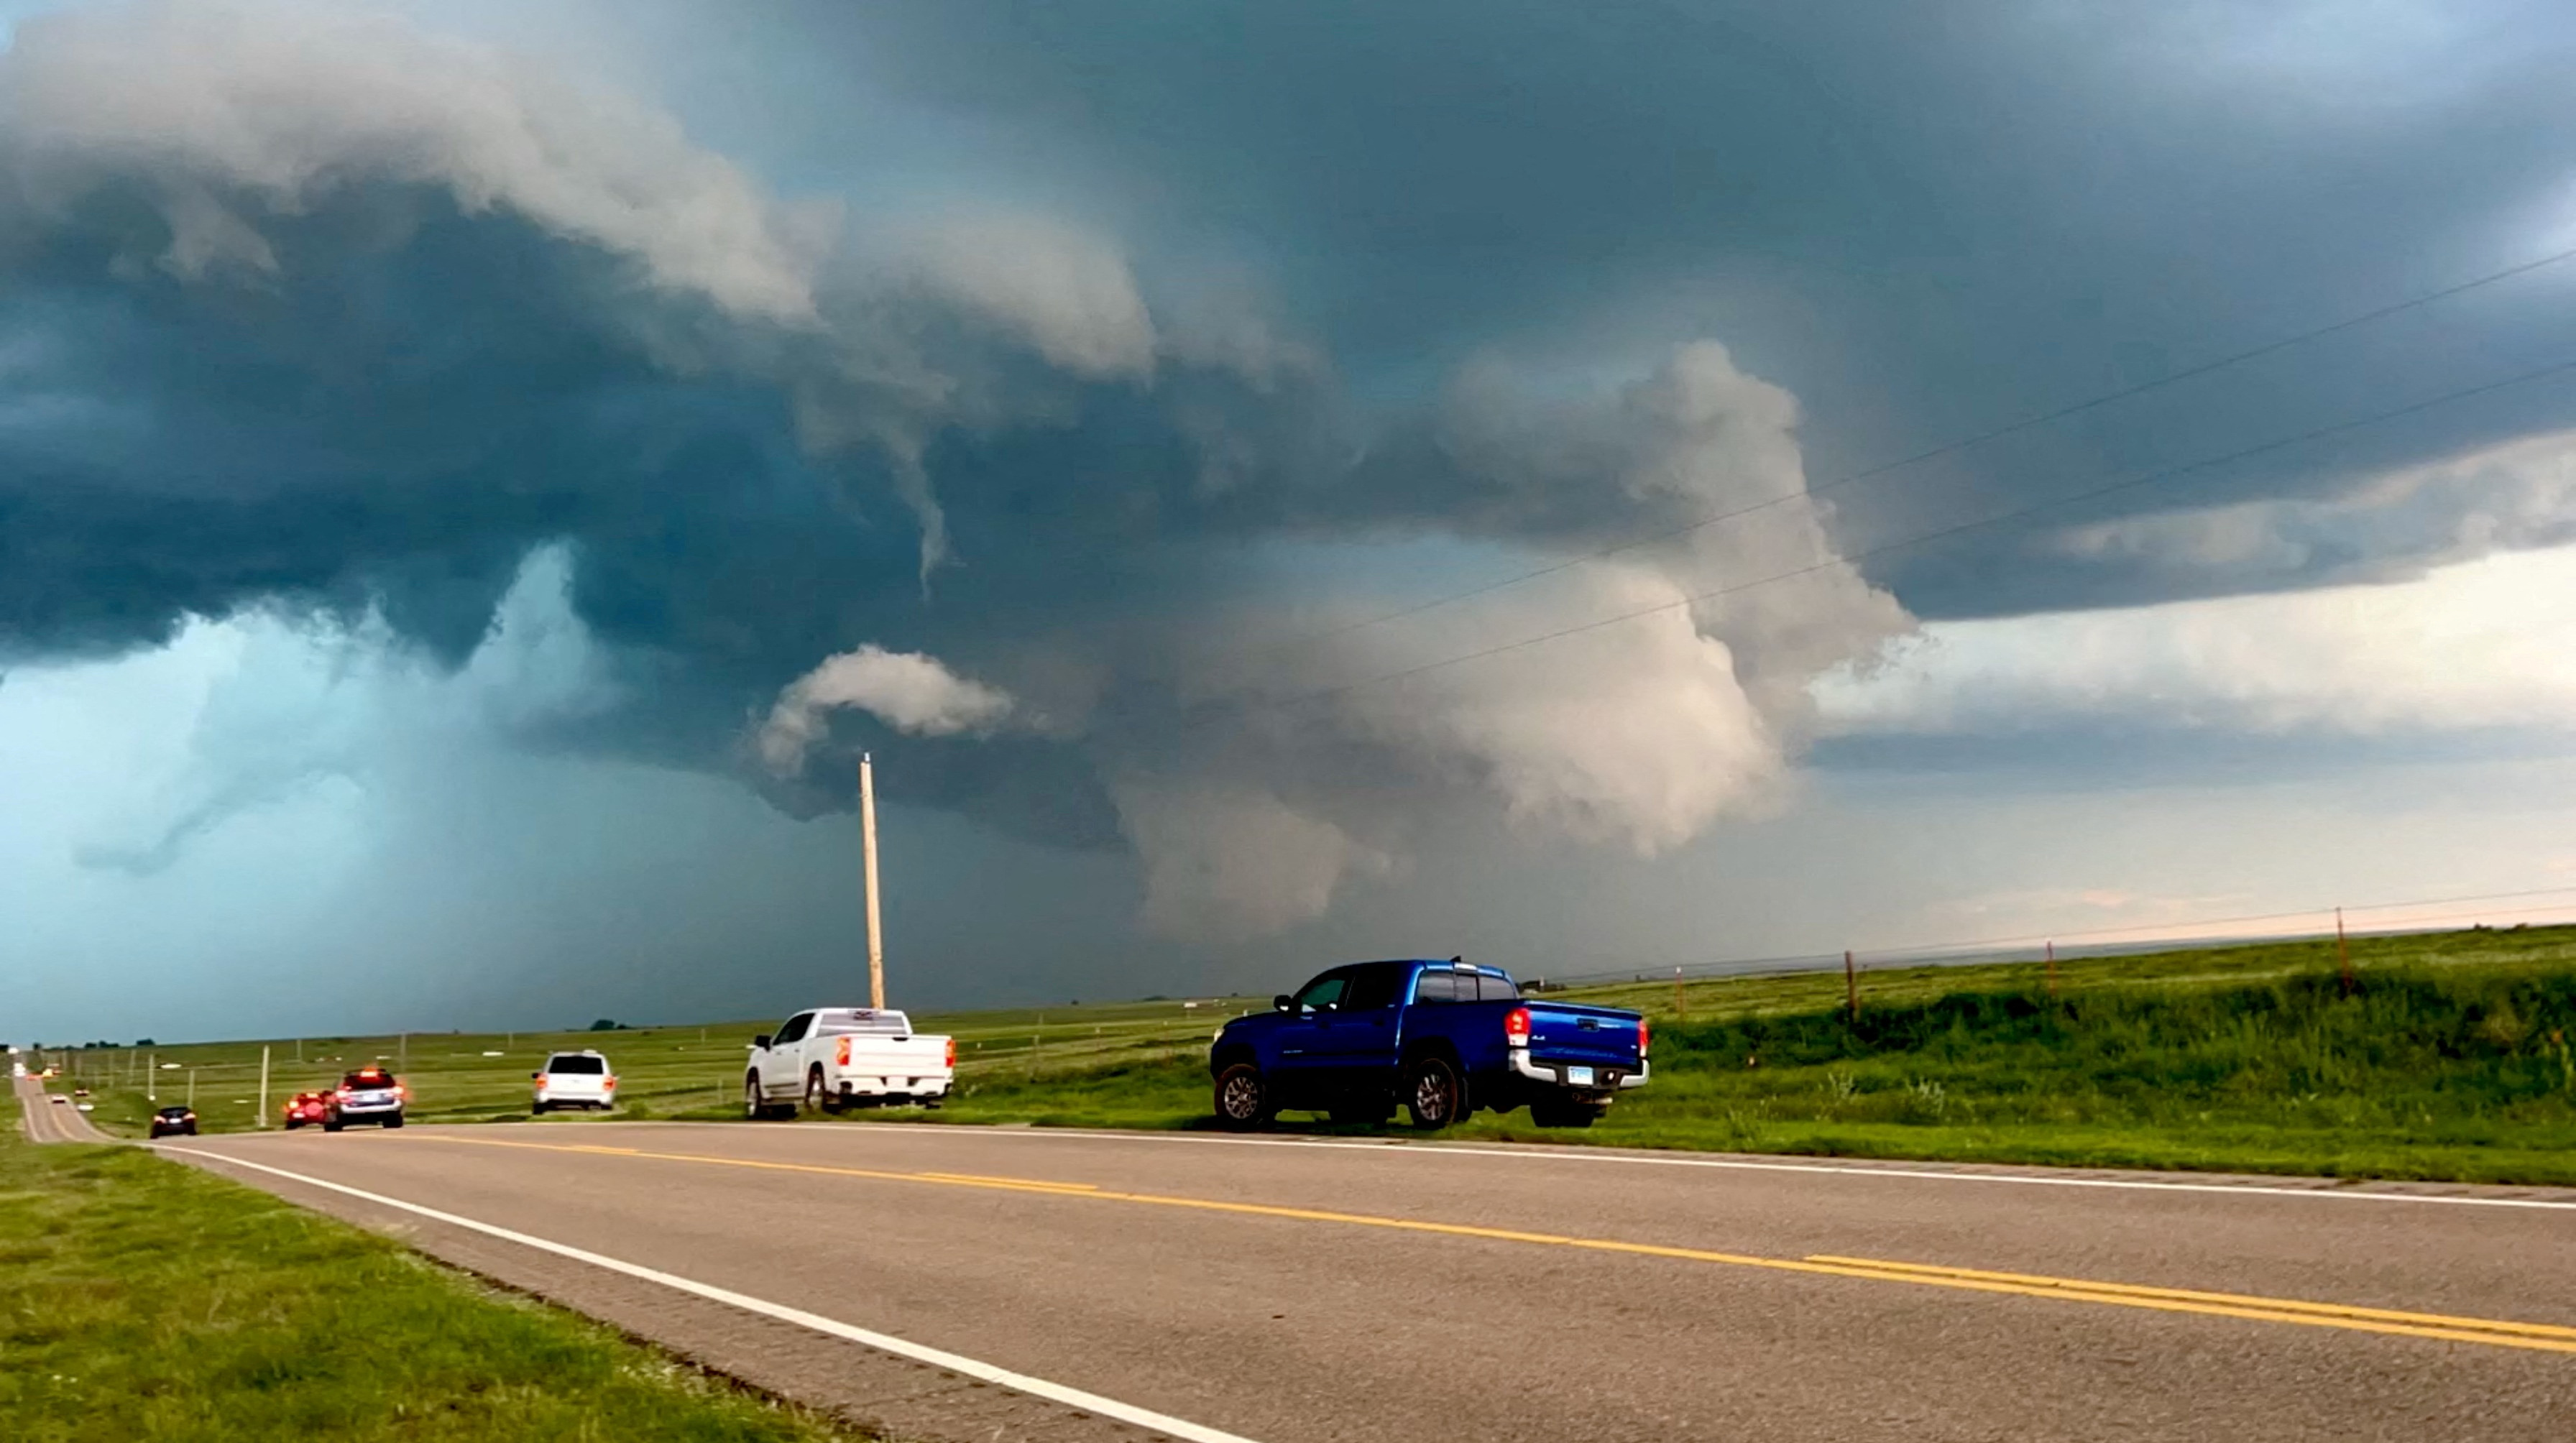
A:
841, 1054
952, 1052
1641, 1037
1516, 1026
612, 1080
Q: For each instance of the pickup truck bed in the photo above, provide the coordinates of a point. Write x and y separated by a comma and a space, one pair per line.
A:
1442, 1039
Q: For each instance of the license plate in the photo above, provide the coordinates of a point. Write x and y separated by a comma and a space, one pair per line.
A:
1578, 1076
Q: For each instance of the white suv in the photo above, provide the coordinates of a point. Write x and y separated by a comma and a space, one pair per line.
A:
574, 1079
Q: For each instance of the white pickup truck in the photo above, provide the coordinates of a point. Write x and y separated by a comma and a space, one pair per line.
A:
830, 1058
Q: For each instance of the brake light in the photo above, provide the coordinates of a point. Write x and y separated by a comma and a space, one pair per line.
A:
841, 1054
401, 1091
952, 1052
612, 1079
1641, 1037
1516, 1027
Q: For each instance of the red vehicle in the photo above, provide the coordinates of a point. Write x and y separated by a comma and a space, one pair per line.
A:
306, 1107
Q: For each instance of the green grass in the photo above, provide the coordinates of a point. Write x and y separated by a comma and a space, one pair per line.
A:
2452, 1062
145, 1300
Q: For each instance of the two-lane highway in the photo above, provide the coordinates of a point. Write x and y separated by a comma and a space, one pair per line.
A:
1288, 1290
50, 1121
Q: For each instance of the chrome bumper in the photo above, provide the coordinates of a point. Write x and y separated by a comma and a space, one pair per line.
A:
1522, 1064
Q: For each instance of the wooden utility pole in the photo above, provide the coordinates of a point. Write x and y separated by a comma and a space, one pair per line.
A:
1851, 987
263, 1087
2343, 953
868, 852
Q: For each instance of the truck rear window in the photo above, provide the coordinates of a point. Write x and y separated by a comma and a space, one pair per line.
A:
1436, 985
587, 1065
844, 1024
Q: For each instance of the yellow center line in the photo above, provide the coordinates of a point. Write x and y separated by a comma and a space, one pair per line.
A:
2347, 1310
2493, 1332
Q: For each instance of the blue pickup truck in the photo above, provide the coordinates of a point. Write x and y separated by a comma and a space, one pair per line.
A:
1443, 1038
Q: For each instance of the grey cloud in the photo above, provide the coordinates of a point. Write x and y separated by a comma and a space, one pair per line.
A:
447, 351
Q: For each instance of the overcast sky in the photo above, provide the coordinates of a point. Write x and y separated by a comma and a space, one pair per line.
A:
1271, 484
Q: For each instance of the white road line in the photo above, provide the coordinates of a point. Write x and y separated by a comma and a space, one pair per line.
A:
1584, 1155
935, 1357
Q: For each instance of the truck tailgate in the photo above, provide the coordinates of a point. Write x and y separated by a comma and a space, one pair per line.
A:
1589, 1036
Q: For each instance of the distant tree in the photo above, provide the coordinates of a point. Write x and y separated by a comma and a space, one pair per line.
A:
145, 1042
604, 1025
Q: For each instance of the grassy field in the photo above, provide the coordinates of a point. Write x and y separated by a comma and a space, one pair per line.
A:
2450, 1060
688, 1071
146, 1300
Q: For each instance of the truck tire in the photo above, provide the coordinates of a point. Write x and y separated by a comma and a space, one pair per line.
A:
818, 1094
755, 1106
332, 1124
1434, 1093
1566, 1114
536, 1109
1243, 1099
394, 1121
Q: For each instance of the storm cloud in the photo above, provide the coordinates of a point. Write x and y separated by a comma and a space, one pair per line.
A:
1091, 415
316, 310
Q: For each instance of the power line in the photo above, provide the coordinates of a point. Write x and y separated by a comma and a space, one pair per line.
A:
2017, 513
2013, 428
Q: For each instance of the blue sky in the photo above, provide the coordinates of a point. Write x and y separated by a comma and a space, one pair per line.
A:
473, 477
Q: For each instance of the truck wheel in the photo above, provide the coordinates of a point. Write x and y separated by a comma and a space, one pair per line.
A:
754, 1105
1565, 1114
1434, 1093
332, 1124
818, 1097
1243, 1099
394, 1121
536, 1109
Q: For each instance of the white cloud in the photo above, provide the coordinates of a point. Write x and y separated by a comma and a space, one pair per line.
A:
2518, 495
2481, 645
906, 690
1064, 291
286, 101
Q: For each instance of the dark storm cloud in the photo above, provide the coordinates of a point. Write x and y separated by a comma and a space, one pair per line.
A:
1924, 220
357, 321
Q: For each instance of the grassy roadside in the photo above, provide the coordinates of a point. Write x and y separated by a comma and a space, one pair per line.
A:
2453, 1059
145, 1300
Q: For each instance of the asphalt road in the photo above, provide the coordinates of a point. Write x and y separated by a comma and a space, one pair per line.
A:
53, 1121
1306, 1290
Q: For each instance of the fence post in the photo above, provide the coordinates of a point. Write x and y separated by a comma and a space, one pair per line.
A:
1851, 986
263, 1087
1681, 1007
2052, 969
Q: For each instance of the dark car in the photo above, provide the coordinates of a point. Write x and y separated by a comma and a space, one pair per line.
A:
1445, 1039
174, 1120
306, 1107
370, 1094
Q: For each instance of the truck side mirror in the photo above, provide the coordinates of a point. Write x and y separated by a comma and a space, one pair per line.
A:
1284, 1002
761, 1041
